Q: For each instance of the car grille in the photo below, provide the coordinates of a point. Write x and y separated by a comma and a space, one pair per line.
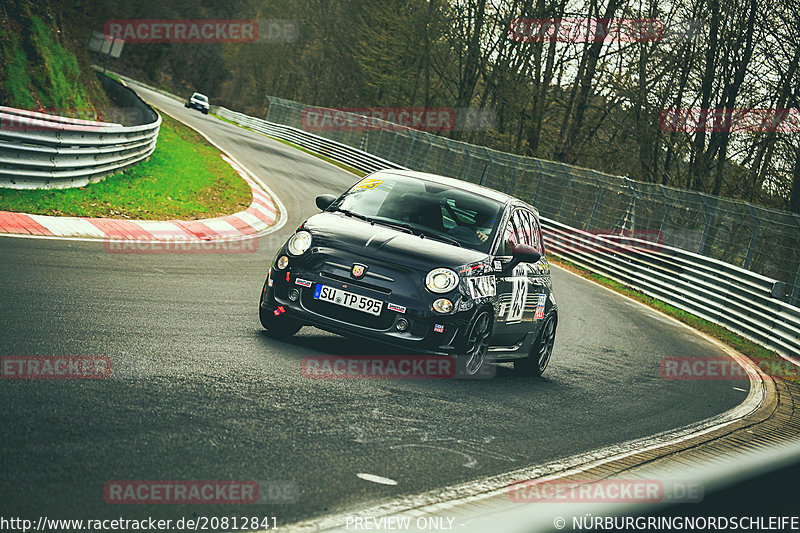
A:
356, 283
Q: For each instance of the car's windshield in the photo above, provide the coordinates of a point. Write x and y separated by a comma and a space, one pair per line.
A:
200, 97
427, 208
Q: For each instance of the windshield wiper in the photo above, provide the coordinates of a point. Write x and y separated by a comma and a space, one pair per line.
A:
355, 215
439, 237
397, 225
419, 231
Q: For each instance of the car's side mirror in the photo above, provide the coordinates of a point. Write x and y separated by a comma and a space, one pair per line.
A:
522, 253
325, 200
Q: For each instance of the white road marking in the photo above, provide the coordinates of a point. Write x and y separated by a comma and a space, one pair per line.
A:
737, 388
250, 219
220, 226
164, 230
376, 479
68, 226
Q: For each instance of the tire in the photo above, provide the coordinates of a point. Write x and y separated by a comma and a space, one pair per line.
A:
205, 111
279, 327
541, 351
475, 345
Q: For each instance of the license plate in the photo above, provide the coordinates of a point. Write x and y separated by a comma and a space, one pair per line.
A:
348, 299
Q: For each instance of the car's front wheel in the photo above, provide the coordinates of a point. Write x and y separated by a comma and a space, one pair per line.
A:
278, 326
541, 350
475, 344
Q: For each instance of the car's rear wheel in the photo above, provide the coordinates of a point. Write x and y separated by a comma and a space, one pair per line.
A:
278, 326
541, 350
476, 343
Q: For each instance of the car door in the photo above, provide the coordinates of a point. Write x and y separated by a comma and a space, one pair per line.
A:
516, 288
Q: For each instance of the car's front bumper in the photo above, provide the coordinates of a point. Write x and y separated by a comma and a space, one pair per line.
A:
427, 331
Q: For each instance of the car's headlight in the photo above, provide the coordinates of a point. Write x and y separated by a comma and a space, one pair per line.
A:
441, 280
299, 243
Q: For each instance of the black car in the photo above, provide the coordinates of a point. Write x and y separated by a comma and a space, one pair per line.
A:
428, 263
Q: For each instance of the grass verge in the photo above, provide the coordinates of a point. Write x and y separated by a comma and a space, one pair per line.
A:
185, 178
764, 357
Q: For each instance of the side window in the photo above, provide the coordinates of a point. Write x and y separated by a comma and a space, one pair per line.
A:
518, 231
523, 223
536, 236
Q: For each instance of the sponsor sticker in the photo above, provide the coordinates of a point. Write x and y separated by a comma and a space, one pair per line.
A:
482, 286
302, 282
395, 307
540, 307
438, 328
369, 184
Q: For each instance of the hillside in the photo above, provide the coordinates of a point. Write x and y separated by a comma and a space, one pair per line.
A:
46, 64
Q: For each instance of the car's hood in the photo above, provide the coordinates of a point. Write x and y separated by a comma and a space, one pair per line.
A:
387, 244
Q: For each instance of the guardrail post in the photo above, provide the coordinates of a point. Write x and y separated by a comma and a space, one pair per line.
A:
667, 210
447, 156
465, 172
541, 180
410, 150
564, 199
796, 288
701, 248
754, 238
487, 169
597, 201
390, 155
427, 155
630, 215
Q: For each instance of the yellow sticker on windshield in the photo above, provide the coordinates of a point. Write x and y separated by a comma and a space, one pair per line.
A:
369, 184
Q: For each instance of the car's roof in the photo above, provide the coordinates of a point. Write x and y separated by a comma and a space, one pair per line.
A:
199, 94
456, 184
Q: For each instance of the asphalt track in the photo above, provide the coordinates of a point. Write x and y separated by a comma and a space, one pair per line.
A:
200, 393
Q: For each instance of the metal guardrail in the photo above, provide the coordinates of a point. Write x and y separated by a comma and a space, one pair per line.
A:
743, 301
39, 150
719, 292
337, 151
